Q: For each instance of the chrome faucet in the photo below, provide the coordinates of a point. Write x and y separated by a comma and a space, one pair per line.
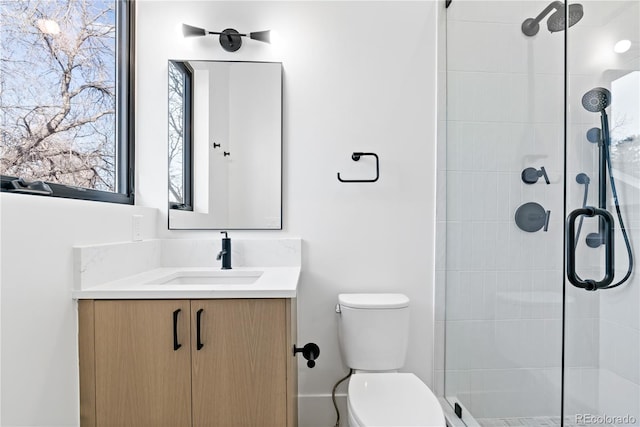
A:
225, 253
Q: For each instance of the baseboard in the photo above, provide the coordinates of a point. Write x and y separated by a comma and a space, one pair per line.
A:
317, 410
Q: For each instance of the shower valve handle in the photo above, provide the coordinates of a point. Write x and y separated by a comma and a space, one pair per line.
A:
531, 175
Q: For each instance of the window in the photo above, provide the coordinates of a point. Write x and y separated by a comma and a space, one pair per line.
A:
66, 98
180, 141
625, 127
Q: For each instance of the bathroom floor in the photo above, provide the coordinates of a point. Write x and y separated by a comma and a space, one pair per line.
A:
531, 422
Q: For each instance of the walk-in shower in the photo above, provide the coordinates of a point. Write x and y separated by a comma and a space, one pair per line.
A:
541, 324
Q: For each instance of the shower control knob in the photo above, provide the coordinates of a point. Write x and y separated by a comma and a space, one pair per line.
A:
531, 175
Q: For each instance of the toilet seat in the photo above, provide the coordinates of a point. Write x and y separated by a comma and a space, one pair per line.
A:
392, 400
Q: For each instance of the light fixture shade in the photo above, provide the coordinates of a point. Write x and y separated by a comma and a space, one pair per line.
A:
189, 31
263, 36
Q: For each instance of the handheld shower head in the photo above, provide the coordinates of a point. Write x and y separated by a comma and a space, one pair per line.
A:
596, 100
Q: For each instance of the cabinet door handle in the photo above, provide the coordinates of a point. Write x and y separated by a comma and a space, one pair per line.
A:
176, 344
199, 344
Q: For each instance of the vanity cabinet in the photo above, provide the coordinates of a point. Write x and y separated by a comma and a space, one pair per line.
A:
174, 363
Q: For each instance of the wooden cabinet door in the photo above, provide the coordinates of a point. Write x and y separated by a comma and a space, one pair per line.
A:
141, 380
239, 374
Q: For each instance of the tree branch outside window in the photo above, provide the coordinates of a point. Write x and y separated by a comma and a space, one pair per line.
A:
57, 92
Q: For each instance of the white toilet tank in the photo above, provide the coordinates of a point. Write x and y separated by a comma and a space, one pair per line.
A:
373, 330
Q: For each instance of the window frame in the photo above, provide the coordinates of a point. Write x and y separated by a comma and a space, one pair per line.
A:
125, 121
187, 139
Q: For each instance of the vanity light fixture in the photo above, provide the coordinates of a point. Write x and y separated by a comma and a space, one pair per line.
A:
230, 39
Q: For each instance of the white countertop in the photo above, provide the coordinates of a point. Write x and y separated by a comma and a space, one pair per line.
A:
275, 282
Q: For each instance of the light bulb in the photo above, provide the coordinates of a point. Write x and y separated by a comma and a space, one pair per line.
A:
274, 38
622, 46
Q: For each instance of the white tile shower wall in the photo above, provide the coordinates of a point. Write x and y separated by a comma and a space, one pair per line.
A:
503, 328
618, 397
619, 350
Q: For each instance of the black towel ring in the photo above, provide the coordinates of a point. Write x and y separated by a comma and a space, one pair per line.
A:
355, 157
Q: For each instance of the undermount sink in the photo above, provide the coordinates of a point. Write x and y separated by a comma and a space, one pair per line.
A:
211, 277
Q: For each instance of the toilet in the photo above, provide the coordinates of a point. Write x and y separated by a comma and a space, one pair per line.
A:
373, 332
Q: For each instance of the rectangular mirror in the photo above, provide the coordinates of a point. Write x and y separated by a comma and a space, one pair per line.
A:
225, 145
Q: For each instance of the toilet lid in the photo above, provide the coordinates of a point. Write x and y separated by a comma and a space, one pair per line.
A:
375, 301
393, 399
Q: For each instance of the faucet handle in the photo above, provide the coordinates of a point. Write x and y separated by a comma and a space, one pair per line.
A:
531, 175
225, 253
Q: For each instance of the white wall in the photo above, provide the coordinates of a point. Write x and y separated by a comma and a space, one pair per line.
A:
39, 350
350, 84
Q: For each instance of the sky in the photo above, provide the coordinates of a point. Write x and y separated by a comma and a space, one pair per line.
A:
625, 105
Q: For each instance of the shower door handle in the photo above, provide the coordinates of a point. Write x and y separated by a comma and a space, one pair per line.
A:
607, 219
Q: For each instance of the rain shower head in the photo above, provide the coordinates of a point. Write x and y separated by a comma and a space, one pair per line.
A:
556, 22
596, 100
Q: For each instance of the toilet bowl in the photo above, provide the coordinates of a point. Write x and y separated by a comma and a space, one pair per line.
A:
373, 333
392, 399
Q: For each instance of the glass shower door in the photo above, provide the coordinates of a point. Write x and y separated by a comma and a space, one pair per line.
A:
602, 302
542, 219
504, 216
